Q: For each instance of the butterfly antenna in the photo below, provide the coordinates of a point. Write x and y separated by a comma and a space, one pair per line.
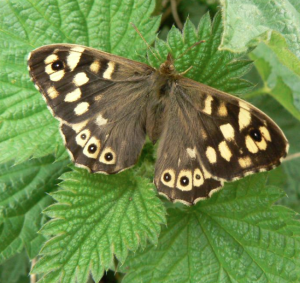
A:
148, 46
191, 47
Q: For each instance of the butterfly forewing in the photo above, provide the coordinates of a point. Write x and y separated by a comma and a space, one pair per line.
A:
107, 104
236, 138
100, 100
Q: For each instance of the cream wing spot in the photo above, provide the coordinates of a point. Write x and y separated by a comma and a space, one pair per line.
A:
266, 134
227, 131
206, 174
191, 152
100, 121
81, 108
211, 155
108, 156
198, 178
109, 71
49, 70
222, 110
82, 138
207, 105
52, 92
57, 76
262, 145
50, 59
92, 148
244, 104
184, 180
74, 57
80, 79
98, 97
95, 66
203, 133
79, 49
179, 161
73, 96
225, 151
251, 145
245, 162
244, 117
168, 178
79, 126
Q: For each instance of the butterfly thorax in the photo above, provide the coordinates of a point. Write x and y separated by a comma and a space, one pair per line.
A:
165, 78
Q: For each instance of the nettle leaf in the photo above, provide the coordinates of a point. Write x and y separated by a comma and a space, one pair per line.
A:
236, 236
23, 196
97, 217
246, 23
287, 177
219, 69
27, 128
280, 71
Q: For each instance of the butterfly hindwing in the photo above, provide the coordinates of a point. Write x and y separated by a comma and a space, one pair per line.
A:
179, 171
99, 99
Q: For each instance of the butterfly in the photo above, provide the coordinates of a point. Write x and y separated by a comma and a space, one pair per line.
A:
107, 104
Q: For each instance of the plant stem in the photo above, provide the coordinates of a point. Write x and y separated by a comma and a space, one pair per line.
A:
33, 276
292, 157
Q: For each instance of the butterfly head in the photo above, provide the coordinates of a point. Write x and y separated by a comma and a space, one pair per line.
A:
167, 68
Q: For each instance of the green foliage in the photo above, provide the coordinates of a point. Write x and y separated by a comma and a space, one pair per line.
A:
247, 22
98, 217
278, 57
236, 236
280, 71
219, 69
22, 199
117, 222
15, 270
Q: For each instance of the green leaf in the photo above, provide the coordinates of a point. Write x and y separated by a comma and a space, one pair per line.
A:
236, 236
15, 270
247, 22
219, 69
287, 177
27, 128
23, 196
97, 217
280, 71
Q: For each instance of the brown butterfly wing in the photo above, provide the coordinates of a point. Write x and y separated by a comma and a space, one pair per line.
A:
216, 136
100, 100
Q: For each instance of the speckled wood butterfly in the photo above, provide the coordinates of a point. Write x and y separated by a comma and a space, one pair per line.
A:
107, 105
